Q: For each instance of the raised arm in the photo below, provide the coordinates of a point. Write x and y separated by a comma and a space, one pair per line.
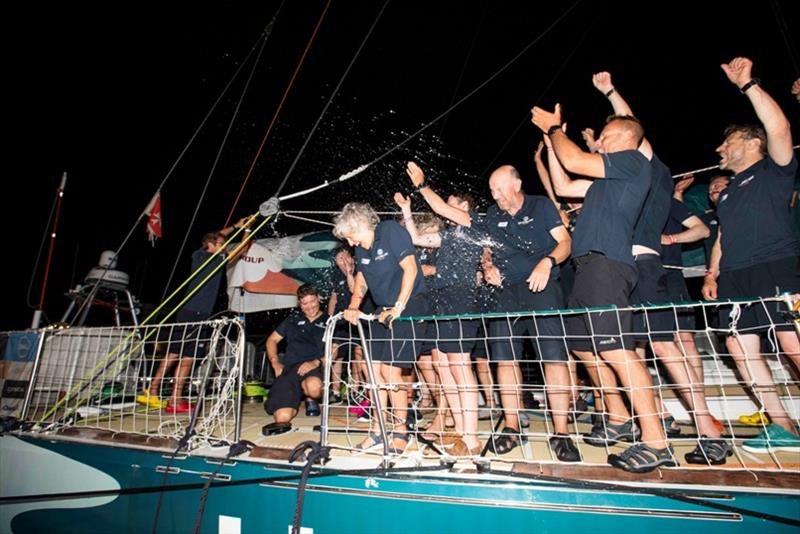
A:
681, 187
602, 82
544, 176
562, 183
779, 135
569, 154
437, 203
430, 240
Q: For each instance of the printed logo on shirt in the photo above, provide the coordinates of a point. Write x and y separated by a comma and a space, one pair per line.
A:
320, 325
525, 221
300, 323
365, 261
502, 224
746, 181
714, 222
381, 255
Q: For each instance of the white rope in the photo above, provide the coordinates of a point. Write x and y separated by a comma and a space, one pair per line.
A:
299, 218
704, 169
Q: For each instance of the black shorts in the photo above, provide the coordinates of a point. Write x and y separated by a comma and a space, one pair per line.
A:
455, 335
678, 292
400, 345
481, 348
601, 282
287, 389
187, 340
767, 279
651, 288
545, 332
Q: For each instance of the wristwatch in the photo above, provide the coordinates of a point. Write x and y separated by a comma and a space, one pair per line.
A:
399, 306
553, 261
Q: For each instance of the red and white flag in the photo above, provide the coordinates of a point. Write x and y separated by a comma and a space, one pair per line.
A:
153, 212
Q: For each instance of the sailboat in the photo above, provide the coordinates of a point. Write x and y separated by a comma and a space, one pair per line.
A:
78, 453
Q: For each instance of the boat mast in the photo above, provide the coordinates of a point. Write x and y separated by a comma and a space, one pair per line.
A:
37, 314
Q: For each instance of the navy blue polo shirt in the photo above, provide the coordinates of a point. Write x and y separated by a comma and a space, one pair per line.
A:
611, 207
459, 256
303, 338
381, 263
678, 212
755, 218
655, 210
204, 300
519, 242
341, 289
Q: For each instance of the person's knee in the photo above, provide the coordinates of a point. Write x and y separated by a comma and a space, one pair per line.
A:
312, 387
284, 415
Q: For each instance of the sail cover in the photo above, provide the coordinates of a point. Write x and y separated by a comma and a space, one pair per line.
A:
267, 275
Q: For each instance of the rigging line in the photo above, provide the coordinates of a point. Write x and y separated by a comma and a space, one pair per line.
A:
264, 35
104, 362
781, 20
478, 88
96, 287
277, 110
213, 169
39, 254
526, 117
337, 212
330, 99
306, 219
466, 62
358, 170
711, 168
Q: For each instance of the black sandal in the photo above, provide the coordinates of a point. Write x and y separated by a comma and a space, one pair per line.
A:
508, 439
564, 449
640, 458
609, 434
709, 452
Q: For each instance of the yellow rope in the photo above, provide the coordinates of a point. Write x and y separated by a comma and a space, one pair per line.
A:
146, 320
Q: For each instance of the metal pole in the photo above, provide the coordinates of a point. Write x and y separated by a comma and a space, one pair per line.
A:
37, 315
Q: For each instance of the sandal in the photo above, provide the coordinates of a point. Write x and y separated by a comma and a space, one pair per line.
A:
669, 430
400, 436
608, 434
709, 452
377, 442
564, 449
640, 458
508, 439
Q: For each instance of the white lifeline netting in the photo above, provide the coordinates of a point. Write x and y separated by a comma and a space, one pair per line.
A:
699, 387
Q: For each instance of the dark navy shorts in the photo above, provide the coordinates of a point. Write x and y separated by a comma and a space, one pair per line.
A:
455, 335
601, 282
767, 279
678, 292
187, 340
287, 389
400, 345
651, 288
545, 332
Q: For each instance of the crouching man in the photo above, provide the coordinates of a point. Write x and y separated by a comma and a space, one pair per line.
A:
299, 375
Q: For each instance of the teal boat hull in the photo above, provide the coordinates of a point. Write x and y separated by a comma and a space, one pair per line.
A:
405, 502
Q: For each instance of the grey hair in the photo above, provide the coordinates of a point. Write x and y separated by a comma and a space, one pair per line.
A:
353, 217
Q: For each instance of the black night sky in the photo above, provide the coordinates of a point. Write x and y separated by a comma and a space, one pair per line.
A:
113, 94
